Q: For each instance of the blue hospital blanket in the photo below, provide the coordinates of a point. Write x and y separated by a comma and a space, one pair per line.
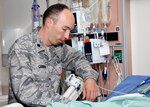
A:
129, 100
128, 84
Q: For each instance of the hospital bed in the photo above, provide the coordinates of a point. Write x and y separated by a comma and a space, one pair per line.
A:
126, 94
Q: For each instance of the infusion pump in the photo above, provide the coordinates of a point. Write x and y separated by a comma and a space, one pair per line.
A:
95, 50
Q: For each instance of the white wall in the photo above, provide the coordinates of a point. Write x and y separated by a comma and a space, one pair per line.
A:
140, 36
17, 14
1, 10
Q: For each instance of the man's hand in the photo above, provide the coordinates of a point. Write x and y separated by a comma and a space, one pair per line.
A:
90, 90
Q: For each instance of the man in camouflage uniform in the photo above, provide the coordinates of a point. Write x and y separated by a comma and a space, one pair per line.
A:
37, 60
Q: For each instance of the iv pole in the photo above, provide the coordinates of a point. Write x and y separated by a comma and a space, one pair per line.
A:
47, 3
125, 59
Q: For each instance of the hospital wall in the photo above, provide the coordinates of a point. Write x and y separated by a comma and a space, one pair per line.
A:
18, 15
140, 36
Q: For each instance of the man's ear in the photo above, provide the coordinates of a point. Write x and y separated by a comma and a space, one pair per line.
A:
49, 22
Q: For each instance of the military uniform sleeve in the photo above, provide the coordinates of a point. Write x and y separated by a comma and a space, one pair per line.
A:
24, 84
75, 60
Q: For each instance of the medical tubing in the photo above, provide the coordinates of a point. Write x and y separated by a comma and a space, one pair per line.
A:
111, 90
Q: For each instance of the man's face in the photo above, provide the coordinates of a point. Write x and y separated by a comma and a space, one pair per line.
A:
61, 28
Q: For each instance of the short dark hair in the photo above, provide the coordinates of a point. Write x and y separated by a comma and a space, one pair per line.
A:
53, 11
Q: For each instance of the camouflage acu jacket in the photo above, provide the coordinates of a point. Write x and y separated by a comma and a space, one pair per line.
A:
35, 70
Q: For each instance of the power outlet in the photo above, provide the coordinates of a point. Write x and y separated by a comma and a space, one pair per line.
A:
117, 28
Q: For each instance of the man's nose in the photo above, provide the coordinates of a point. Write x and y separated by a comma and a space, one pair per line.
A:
67, 34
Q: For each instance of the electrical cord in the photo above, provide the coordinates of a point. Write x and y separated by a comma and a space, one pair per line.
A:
117, 69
